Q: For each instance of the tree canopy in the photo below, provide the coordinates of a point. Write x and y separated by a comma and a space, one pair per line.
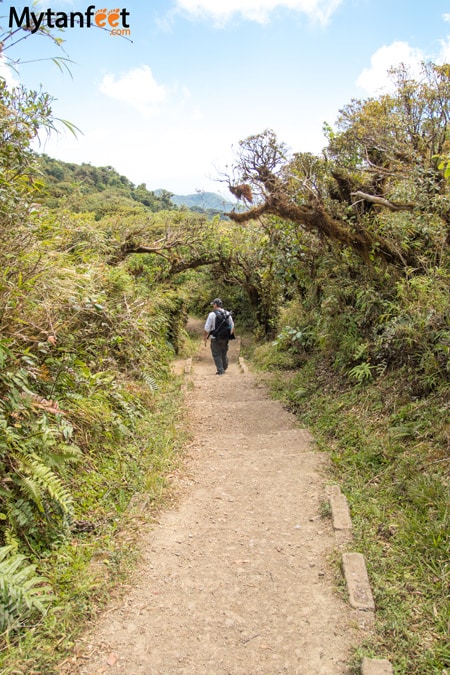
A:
385, 158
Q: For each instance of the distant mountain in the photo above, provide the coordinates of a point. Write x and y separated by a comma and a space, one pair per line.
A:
201, 201
103, 191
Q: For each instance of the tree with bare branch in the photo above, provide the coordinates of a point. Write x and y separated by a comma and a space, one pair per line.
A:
384, 158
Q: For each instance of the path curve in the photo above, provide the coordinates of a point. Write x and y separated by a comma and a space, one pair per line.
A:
235, 578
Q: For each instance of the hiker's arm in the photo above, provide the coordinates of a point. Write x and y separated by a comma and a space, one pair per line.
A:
209, 325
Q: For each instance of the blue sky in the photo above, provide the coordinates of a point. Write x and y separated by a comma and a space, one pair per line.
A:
166, 106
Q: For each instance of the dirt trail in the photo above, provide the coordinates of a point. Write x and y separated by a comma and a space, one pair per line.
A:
235, 578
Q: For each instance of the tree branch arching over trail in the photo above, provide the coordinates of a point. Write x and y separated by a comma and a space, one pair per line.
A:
184, 242
388, 156
315, 218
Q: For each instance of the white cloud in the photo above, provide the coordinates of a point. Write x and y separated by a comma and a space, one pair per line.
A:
180, 157
138, 88
444, 55
222, 11
376, 78
7, 73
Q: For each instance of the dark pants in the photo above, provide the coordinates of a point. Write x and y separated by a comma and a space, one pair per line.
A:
219, 349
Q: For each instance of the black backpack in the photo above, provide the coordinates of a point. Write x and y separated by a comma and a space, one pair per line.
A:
222, 330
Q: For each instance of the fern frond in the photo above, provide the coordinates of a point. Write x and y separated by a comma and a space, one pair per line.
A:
74, 396
41, 478
22, 591
63, 454
150, 382
32, 490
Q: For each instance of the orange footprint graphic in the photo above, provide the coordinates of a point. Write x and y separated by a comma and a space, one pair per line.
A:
100, 18
113, 17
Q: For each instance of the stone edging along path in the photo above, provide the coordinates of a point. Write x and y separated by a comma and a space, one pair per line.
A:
355, 573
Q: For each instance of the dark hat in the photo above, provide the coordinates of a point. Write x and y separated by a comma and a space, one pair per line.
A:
217, 301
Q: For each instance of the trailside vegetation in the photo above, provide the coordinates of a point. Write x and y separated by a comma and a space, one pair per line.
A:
87, 399
338, 264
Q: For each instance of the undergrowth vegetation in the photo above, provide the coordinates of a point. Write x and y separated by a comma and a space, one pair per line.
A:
389, 451
339, 267
89, 407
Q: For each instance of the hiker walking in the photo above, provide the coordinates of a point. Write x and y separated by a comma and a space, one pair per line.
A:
219, 327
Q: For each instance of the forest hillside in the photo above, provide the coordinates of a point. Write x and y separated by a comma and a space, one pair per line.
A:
336, 267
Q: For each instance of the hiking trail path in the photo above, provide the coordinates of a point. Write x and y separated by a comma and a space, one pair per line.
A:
235, 577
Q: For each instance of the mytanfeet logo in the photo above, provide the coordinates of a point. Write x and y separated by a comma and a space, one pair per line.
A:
113, 20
